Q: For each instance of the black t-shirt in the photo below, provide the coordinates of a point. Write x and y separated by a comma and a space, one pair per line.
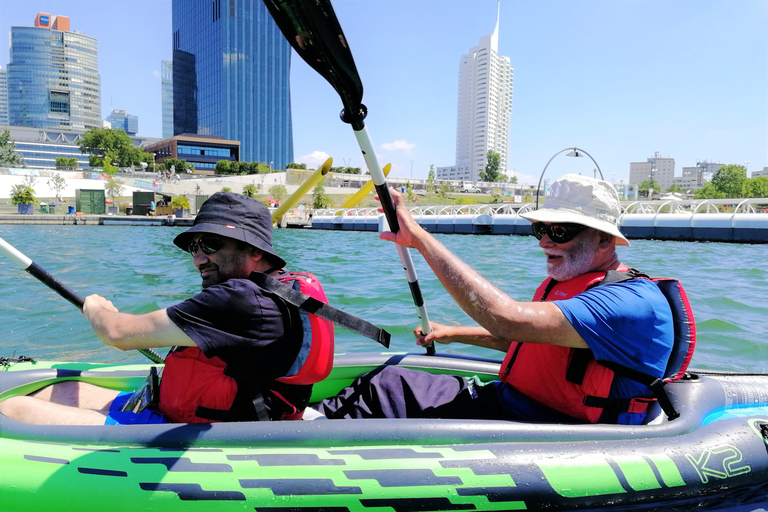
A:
255, 333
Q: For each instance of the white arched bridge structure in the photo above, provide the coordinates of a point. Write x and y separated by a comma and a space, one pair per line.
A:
721, 220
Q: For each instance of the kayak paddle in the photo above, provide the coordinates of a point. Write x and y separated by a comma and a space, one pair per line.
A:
24, 263
313, 30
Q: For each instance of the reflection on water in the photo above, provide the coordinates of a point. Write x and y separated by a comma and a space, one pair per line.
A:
139, 269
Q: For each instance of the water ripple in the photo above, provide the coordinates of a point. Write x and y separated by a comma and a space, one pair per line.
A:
140, 270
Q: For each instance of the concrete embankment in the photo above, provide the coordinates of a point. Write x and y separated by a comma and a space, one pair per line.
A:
93, 220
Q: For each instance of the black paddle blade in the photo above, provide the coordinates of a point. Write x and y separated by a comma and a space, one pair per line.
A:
311, 27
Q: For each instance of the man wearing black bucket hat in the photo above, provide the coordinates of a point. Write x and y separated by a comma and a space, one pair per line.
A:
237, 345
592, 346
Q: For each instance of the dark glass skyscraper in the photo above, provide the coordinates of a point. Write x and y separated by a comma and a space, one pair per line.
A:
231, 77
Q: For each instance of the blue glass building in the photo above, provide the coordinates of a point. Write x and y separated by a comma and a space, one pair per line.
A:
3, 97
120, 120
231, 77
53, 79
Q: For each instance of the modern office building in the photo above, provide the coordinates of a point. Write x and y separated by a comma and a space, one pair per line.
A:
201, 151
3, 97
696, 176
166, 96
53, 78
231, 69
484, 109
119, 119
660, 169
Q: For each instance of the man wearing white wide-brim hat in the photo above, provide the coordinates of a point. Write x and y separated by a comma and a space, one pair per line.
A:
551, 371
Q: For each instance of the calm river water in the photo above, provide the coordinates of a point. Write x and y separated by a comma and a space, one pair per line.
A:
139, 269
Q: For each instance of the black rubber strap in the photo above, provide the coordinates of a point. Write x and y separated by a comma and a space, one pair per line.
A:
321, 309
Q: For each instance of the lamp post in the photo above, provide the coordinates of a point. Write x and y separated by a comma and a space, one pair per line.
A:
270, 166
153, 163
576, 153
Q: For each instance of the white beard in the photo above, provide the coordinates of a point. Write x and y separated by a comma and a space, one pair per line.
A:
575, 262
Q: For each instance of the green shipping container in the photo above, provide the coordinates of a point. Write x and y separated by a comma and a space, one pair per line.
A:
90, 202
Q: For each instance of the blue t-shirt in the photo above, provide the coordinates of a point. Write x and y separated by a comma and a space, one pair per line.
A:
628, 323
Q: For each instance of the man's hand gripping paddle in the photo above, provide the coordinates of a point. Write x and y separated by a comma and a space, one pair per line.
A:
313, 30
24, 263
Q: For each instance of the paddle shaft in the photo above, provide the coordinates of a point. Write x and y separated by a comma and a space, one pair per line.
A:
25, 263
385, 197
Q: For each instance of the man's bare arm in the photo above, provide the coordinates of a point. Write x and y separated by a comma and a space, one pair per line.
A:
503, 317
129, 332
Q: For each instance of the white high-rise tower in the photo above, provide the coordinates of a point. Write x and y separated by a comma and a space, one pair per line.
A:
485, 104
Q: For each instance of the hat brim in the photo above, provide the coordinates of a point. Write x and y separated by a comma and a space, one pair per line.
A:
555, 215
182, 240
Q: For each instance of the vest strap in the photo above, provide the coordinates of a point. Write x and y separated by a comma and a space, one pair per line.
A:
320, 309
656, 385
613, 407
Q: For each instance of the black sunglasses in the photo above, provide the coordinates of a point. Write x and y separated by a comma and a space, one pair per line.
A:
558, 233
208, 244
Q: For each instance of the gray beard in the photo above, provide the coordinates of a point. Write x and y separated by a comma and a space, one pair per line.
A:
576, 262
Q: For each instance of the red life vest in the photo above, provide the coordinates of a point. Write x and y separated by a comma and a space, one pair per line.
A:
571, 381
199, 389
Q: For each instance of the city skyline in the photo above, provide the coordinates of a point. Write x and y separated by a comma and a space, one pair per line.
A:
621, 80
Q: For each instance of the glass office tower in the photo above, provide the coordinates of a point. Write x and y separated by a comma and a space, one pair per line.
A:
166, 95
231, 68
3, 97
53, 79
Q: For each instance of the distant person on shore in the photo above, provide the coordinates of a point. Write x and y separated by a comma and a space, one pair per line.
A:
152, 208
239, 350
580, 352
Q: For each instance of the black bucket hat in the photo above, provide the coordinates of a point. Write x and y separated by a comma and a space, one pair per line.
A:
234, 216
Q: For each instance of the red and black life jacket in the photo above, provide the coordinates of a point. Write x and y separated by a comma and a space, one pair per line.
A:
199, 389
571, 381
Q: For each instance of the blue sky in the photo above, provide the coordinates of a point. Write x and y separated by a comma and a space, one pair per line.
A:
620, 79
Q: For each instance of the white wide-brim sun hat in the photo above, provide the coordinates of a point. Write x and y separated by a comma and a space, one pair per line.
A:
581, 200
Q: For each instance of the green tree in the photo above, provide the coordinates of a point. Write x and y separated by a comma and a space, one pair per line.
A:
708, 191
8, 155
729, 179
249, 190
755, 187
409, 191
179, 165
226, 189
265, 169
278, 192
106, 142
647, 185
431, 177
320, 199
675, 188
57, 183
491, 173
296, 166
107, 166
223, 167
444, 189
513, 180
114, 188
